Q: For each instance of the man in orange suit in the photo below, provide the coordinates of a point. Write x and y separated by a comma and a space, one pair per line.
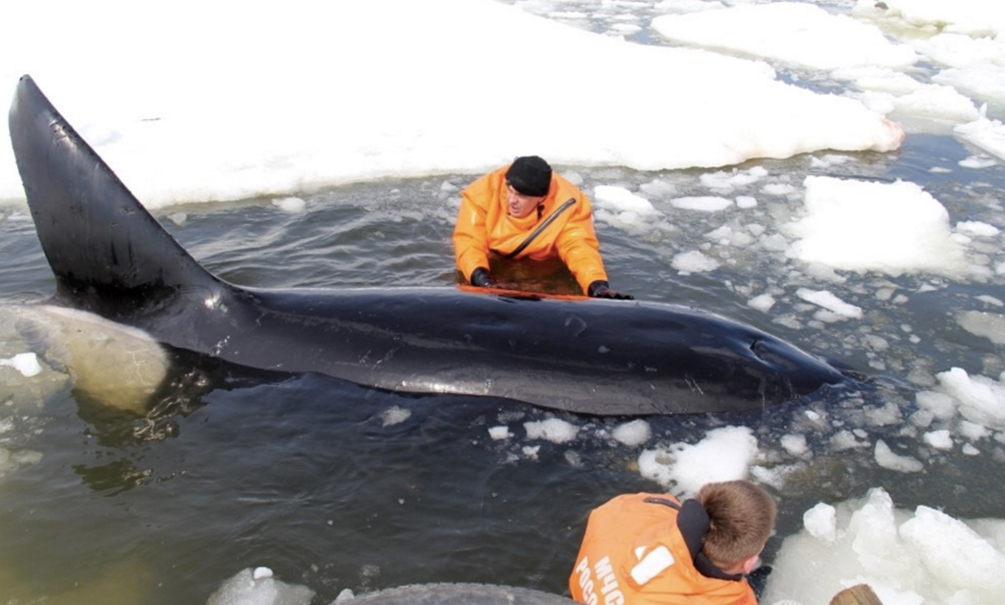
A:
525, 210
653, 549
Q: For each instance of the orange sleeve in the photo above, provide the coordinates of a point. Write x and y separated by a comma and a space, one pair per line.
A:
471, 247
578, 246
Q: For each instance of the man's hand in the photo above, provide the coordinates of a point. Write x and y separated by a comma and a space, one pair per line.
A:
482, 278
601, 289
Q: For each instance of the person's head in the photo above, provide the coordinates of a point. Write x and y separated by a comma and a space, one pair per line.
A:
527, 182
741, 518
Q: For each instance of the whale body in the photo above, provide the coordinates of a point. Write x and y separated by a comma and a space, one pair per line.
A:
460, 594
112, 258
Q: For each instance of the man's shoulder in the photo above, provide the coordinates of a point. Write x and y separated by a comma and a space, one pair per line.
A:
490, 181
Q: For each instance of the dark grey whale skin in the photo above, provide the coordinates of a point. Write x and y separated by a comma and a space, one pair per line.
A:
111, 257
459, 594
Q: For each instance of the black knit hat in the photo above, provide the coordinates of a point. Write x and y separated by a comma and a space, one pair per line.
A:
530, 175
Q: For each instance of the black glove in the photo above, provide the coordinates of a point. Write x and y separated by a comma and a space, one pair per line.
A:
601, 289
482, 278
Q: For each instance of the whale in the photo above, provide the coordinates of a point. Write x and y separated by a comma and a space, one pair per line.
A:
111, 257
460, 594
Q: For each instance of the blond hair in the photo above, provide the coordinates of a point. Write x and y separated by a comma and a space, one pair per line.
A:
741, 517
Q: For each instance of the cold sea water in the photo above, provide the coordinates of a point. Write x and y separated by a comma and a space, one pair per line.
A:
336, 486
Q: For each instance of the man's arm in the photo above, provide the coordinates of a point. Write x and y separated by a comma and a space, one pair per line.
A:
470, 235
579, 248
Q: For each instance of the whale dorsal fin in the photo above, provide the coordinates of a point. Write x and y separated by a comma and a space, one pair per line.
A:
98, 238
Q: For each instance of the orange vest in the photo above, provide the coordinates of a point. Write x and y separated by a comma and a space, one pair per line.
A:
484, 226
636, 552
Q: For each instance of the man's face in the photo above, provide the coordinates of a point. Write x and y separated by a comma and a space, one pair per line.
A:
518, 204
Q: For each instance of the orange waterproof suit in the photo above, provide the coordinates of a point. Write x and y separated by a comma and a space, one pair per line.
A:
645, 549
484, 226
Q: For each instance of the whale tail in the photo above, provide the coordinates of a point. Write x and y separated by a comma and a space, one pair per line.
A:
108, 253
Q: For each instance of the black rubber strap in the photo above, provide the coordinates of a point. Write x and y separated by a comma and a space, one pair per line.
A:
663, 501
568, 203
